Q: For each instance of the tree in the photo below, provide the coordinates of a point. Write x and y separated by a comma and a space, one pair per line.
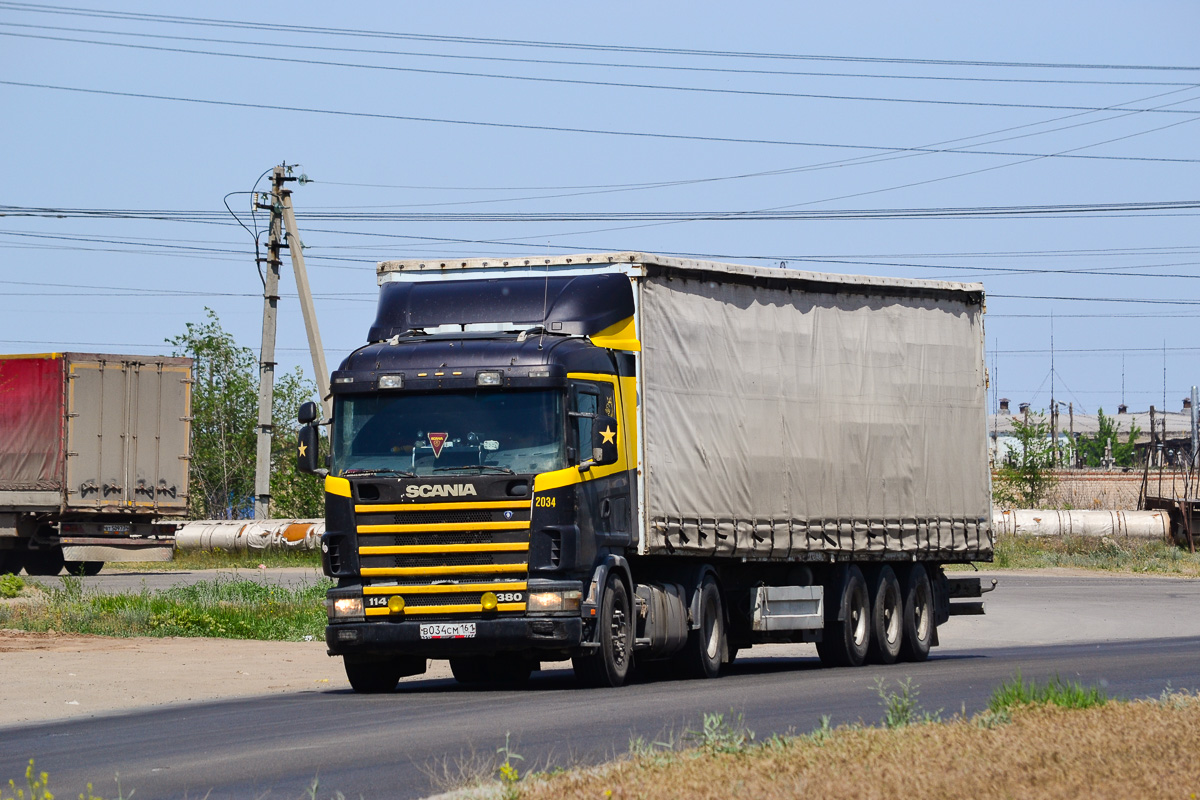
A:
1025, 477
1091, 448
224, 429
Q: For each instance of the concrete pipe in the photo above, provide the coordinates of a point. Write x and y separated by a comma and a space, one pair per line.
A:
1115, 524
242, 535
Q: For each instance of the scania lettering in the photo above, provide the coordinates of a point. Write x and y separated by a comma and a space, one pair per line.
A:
626, 460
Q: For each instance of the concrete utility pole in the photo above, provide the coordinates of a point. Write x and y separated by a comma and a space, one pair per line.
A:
266, 361
296, 251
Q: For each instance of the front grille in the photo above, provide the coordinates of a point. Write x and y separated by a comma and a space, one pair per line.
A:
394, 527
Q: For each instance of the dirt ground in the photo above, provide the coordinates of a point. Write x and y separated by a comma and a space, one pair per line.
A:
49, 676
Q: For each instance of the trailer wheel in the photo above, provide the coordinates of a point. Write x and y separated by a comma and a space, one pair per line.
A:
707, 647
44, 561
372, 675
609, 664
846, 640
88, 568
918, 614
887, 617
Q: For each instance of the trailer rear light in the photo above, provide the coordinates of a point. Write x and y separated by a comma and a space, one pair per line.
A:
488, 378
72, 527
549, 602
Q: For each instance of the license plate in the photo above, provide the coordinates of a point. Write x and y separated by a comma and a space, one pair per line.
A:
459, 630
115, 528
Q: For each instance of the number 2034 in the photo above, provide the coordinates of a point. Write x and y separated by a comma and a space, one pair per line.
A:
544, 502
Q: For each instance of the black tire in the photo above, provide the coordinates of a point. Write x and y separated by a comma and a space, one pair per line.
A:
846, 640
87, 568
887, 617
920, 627
371, 675
493, 670
707, 647
44, 561
610, 663
11, 561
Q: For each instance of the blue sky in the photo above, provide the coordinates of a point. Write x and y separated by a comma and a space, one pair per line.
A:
1077, 104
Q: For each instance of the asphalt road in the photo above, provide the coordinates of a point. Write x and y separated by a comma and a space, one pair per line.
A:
1132, 636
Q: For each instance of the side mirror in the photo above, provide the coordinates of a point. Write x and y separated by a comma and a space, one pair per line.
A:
604, 444
307, 457
307, 413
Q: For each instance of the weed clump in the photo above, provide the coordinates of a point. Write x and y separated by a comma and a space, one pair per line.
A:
1016, 692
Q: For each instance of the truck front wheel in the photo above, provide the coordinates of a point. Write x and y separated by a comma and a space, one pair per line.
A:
847, 634
609, 664
372, 674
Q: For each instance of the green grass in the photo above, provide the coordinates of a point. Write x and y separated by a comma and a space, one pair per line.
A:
11, 585
1016, 692
1086, 552
222, 608
223, 559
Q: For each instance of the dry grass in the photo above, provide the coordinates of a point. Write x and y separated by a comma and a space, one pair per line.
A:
1133, 556
1119, 750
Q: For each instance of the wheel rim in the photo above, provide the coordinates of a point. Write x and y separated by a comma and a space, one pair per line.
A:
618, 631
712, 637
921, 612
891, 617
858, 619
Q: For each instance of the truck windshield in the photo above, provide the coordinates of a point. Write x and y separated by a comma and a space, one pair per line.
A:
449, 432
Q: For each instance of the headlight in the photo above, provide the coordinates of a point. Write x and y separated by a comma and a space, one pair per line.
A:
391, 381
344, 608
545, 602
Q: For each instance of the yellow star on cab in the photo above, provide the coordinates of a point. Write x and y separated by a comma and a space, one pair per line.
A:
608, 434
303, 449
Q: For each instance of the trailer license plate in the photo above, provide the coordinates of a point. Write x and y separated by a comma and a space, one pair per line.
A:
460, 630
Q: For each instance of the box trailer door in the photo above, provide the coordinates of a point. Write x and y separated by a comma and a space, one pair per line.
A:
159, 396
127, 434
97, 421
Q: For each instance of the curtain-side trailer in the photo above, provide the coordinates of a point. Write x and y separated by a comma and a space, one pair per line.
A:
626, 459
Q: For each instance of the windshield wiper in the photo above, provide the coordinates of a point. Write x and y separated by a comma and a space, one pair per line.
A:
503, 470
399, 472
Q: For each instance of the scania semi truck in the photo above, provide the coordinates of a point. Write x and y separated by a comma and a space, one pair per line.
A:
627, 459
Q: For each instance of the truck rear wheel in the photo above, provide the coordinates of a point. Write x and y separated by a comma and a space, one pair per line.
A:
707, 647
918, 614
609, 664
887, 617
44, 561
88, 568
847, 639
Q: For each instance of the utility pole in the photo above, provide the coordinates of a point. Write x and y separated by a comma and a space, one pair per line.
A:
296, 251
266, 361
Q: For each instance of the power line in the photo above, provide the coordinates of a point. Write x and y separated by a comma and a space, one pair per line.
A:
582, 82
567, 129
605, 48
601, 64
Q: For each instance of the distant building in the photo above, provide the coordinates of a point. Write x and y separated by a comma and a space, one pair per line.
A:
1176, 447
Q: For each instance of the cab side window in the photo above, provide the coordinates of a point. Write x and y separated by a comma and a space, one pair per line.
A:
590, 400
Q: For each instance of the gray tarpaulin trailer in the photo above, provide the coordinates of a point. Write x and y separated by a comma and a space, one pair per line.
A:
94, 454
626, 458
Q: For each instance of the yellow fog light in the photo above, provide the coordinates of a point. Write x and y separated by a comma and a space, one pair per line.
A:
489, 601
395, 604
